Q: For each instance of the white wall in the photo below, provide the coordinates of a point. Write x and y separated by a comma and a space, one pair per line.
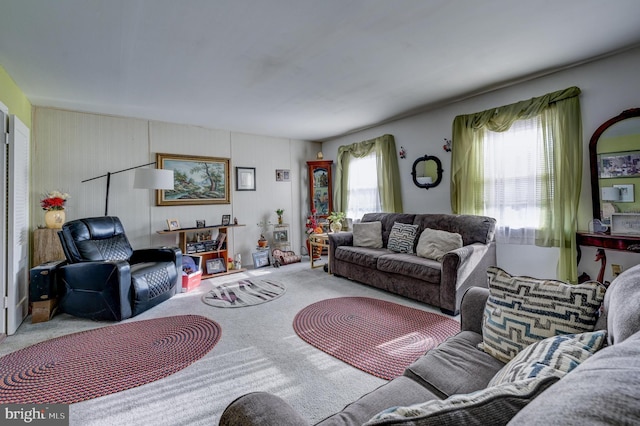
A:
609, 86
69, 147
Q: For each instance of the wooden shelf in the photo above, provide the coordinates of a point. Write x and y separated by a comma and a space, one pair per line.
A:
206, 255
608, 241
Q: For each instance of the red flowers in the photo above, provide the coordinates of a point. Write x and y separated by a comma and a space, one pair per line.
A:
54, 200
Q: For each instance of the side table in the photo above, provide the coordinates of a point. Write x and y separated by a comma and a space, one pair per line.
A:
321, 241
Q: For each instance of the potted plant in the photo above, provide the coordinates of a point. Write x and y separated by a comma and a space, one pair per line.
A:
264, 227
279, 212
336, 219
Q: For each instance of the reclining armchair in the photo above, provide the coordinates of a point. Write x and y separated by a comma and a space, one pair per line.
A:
105, 279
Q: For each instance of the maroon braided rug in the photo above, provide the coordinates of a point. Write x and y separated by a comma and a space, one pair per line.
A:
99, 362
376, 336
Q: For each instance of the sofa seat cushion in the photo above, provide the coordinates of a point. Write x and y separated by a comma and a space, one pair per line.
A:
603, 390
400, 391
410, 265
523, 310
491, 406
363, 256
455, 366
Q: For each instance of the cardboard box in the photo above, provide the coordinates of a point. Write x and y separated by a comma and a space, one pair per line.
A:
43, 311
191, 281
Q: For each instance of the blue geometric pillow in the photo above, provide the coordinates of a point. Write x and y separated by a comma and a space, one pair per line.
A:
522, 310
554, 356
402, 237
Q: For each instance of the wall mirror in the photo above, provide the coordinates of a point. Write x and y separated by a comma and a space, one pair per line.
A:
427, 172
614, 156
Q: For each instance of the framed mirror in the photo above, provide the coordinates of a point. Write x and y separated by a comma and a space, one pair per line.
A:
427, 172
614, 157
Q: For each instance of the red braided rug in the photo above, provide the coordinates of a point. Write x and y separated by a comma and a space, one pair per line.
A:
379, 337
99, 362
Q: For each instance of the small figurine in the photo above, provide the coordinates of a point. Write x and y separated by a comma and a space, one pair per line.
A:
403, 152
235, 220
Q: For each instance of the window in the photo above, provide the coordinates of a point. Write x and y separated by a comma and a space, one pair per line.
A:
514, 173
362, 187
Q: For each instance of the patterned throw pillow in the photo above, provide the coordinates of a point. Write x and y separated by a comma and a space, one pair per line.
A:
490, 406
521, 311
402, 237
554, 356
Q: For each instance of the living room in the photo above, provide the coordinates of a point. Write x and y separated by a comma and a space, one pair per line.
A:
69, 145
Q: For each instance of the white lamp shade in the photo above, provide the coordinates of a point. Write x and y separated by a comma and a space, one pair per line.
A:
610, 193
153, 179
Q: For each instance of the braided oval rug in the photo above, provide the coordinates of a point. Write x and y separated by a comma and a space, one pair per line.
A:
376, 336
99, 362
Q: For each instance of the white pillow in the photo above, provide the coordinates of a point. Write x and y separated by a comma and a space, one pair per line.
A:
434, 244
367, 234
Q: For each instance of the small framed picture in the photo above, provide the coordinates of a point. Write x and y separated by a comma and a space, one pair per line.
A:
200, 223
260, 259
281, 236
245, 178
173, 224
226, 219
282, 175
215, 266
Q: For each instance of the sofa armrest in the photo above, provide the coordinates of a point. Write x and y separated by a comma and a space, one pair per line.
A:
338, 239
260, 409
159, 254
472, 309
463, 268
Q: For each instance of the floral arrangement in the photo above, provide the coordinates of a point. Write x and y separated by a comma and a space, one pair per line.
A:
54, 200
312, 224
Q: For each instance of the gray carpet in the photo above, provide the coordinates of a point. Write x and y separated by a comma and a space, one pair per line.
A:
258, 351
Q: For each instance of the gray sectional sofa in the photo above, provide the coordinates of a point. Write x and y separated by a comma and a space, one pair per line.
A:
437, 283
602, 390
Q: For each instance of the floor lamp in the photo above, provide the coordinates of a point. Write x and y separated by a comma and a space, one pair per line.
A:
144, 179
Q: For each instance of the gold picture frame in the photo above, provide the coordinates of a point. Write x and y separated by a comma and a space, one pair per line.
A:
197, 180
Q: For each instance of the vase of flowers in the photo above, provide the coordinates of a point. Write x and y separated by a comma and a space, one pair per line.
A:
53, 205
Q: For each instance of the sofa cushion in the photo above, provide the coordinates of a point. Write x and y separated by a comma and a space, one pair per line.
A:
399, 391
363, 256
621, 306
455, 366
367, 234
434, 244
553, 356
601, 391
473, 229
402, 238
387, 220
491, 406
410, 265
524, 310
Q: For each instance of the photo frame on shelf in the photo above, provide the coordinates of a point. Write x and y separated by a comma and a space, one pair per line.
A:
173, 224
260, 259
216, 265
281, 236
226, 219
283, 175
197, 180
200, 223
245, 178
619, 164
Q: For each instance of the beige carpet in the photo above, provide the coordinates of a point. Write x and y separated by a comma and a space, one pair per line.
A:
258, 351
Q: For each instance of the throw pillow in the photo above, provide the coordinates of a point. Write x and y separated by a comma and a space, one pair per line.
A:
523, 310
434, 244
491, 406
554, 356
402, 237
367, 234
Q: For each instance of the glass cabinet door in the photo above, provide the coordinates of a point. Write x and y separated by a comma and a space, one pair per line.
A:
320, 187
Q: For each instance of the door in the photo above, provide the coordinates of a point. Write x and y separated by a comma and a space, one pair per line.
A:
17, 224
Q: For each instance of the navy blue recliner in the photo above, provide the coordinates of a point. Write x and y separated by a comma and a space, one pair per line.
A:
105, 279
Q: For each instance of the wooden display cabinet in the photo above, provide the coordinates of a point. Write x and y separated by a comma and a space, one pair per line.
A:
320, 187
214, 257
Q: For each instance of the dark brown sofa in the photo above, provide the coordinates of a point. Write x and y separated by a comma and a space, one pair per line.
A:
440, 284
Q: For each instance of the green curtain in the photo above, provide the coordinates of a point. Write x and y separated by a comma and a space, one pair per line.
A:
561, 120
388, 172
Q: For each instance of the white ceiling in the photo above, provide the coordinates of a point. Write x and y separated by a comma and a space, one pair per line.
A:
302, 69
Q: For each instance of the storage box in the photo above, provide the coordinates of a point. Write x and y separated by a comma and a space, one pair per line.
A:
191, 281
43, 311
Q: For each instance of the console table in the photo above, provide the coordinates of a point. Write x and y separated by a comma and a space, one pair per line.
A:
607, 241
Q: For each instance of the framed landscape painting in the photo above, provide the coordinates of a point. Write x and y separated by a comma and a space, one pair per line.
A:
197, 180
